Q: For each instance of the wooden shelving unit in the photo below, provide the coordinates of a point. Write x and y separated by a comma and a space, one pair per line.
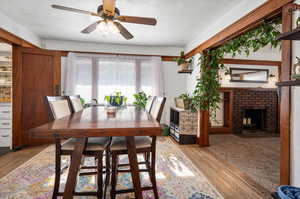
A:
289, 83
293, 35
189, 71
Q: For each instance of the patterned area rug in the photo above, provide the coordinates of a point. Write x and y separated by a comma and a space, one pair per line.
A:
258, 157
177, 177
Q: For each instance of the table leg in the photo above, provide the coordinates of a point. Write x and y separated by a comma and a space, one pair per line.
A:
74, 168
134, 167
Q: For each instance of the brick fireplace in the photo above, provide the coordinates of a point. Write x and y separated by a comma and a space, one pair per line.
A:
255, 109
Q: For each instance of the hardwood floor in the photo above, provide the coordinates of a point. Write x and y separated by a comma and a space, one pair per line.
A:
228, 180
12, 160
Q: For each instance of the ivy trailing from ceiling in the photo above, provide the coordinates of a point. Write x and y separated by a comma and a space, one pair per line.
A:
206, 95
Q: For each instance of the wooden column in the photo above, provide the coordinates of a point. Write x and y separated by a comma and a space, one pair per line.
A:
203, 130
285, 100
203, 123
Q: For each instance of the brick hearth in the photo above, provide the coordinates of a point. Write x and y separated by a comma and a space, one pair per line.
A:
255, 99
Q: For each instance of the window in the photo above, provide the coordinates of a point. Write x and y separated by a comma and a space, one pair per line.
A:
94, 76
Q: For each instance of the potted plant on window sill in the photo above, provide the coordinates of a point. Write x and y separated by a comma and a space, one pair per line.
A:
182, 62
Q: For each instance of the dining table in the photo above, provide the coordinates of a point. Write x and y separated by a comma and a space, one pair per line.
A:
95, 121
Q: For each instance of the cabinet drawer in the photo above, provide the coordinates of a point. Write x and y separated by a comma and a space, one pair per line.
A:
5, 137
5, 124
5, 112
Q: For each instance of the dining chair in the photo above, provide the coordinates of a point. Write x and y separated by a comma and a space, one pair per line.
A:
144, 145
59, 107
76, 103
76, 106
149, 103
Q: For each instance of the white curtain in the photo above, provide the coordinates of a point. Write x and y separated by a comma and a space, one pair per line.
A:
95, 76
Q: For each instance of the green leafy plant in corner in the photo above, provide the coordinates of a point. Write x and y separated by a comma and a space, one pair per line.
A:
140, 99
206, 94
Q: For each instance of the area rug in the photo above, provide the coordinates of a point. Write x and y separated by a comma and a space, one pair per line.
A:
258, 157
177, 177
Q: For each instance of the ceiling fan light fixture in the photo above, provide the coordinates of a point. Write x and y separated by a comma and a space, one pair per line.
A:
107, 27
112, 27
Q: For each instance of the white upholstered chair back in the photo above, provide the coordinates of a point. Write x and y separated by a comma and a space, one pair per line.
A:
76, 104
157, 107
149, 103
60, 108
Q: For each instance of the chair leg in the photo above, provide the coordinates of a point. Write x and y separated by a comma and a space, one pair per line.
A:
57, 170
100, 175
152, 166
114, 175
107, 171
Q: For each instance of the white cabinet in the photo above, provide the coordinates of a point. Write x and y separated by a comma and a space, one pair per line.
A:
5, 124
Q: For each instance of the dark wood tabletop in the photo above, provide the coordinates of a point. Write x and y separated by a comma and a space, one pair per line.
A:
95, 122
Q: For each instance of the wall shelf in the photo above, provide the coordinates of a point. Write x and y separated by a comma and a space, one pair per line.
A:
188, 71
292, 35
289, 83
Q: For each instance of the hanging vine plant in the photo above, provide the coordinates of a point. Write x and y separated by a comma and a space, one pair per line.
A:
206, 95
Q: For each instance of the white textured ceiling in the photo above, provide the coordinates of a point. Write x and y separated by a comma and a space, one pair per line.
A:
179, 21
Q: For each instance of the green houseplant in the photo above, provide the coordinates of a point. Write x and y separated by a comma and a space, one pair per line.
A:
182, 62
140, 99
206, 95
116, 100
184, 101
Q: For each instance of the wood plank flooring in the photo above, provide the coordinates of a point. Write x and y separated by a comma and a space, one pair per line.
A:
228, 180
13, 160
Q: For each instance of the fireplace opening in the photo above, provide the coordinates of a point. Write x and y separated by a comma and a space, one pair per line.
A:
254, 119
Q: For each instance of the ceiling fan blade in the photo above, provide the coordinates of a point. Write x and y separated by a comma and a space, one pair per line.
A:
91, 28
109, 7
123, 31
138, 20
74, 10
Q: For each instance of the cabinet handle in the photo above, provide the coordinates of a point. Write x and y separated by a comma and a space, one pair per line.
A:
5, 123
5, 136
5, 111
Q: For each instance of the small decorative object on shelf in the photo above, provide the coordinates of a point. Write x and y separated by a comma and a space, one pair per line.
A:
296, 70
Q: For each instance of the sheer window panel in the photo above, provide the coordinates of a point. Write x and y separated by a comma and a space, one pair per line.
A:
116, 76
146, 78
84, 78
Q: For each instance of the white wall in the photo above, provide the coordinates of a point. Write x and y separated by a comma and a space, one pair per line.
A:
295, 124
19, 30
229, 18
175, 84
110, 48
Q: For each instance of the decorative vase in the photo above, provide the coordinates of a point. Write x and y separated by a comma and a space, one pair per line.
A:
184, 66
296, 69
113, 101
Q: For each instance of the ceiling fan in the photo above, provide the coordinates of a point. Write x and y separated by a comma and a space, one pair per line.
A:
110, 16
